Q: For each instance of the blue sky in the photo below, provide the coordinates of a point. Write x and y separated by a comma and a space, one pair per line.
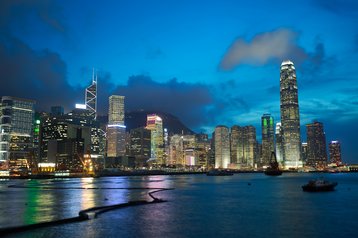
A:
207, 63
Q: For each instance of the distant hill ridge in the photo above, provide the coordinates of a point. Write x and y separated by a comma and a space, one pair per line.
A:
138, 118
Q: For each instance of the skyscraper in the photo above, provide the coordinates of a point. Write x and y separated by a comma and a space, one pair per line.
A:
155, 125
249, 139
222, 147
268, 138
91, 97
16, 134
116, 110
290, 117
66, 139
279, 143
140, 145
116, 130
244, 146
316, 145
335, 152
234, 144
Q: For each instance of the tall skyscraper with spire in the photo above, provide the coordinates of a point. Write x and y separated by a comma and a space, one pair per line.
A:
290, 117
91, 96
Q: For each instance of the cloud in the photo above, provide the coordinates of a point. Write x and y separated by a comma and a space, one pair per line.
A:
27, 74
184, 100
276, 45
339, 7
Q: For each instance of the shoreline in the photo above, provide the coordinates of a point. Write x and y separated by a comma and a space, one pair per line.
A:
145, 173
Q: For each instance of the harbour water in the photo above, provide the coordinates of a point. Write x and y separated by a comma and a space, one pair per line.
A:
242, 205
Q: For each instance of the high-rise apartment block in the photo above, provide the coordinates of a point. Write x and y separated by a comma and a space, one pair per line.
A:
335, 152
16, 134
290, 117
316, 145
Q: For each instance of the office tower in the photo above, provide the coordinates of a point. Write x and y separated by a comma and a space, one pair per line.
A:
116, 110
182, 150
222, 147
258, 154
279, 143
246, 146
234, 144
202, 150
316, 145
176, 156
66, 139
290, 117
57, 111
91, 97
16, 134
249, 145
268, 138
304, 152
155, 125
116, 130
335, 152
140, 145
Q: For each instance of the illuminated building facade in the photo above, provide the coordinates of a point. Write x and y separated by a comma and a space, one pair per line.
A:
91, 97
116, 130
290, 117
182, 150
116, 110
155, 125
335, 152
222, 147
202, 150
279, 143
244, 146
64, 140
304, 152
140, 145
316, 145
234, 143
16, 134
268, 138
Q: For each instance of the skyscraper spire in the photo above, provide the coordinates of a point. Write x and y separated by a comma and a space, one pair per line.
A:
91, 96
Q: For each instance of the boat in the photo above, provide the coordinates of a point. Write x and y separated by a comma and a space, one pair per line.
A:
219, 172
319, 185
273, 169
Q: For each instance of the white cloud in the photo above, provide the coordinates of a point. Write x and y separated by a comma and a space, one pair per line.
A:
275, 45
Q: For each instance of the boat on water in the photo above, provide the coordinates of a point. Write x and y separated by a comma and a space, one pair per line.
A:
273, 169
219, 172
319, 185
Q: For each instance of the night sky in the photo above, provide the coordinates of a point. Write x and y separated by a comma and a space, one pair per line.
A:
206, 62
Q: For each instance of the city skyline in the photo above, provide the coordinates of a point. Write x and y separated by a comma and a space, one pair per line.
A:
224, 59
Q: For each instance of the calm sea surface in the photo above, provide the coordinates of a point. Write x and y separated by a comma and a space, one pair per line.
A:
243, 205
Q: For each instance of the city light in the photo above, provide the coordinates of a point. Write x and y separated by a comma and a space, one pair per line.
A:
80, 106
